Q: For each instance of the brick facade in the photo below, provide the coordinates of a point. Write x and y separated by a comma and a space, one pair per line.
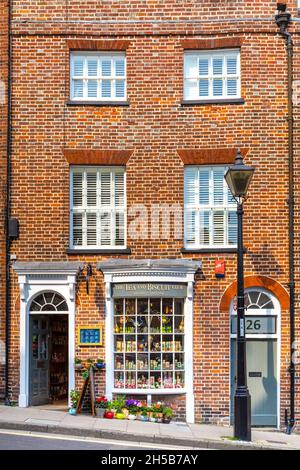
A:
154, 131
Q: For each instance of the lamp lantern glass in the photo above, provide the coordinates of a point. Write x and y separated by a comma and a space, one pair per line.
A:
238, 177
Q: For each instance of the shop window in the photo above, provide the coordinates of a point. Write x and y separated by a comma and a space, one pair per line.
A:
149, 344
98, 76
210, 210
97, 207
212, 75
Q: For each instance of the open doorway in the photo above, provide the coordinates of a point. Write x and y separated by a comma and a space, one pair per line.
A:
48, 351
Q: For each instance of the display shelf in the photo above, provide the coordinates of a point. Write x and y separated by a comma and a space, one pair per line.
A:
149, 344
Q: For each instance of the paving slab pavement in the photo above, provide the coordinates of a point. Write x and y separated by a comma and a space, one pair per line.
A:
181, 434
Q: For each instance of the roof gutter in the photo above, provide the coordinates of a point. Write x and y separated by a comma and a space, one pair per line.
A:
283, 19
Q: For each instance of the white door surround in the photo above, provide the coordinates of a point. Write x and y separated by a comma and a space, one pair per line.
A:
35, 278
152, 271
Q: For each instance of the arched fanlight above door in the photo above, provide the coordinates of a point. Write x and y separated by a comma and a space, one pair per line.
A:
48, 302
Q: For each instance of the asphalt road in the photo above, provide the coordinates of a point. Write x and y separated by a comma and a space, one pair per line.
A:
28, 441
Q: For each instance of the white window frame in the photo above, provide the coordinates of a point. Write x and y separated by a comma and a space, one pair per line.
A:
113, 78
211, 208
98, 209
224, 53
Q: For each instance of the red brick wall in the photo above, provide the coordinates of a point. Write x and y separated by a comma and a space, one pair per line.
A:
3, 155
155, 125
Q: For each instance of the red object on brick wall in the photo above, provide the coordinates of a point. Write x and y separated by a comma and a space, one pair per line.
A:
220, 268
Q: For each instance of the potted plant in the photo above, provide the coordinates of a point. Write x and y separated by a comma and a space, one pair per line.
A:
158, 409
133, 407
117, 405
153, 418
109, 414
167, 415
78, 364
144, 414
74, 396
88, 363
101, 404
100, 364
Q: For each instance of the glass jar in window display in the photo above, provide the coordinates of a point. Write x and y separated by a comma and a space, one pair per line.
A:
119, 380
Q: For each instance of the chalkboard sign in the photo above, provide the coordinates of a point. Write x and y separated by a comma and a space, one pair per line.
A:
90, 336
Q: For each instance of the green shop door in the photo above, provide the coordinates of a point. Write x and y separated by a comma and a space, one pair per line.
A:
262, 380
39, 360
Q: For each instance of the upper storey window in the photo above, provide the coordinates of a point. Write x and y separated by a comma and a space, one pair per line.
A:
98, 76
212, 75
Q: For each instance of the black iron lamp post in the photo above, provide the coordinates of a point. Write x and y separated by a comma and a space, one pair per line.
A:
238, 178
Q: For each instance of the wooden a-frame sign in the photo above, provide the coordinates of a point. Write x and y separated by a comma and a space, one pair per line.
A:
89, 381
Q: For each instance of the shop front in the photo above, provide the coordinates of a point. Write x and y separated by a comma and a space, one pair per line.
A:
149, 329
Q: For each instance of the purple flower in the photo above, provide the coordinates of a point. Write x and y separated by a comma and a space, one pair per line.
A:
130, 402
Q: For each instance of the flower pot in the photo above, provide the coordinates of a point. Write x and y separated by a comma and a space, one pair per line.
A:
109, 415
144, 418
131, 417
153, 420
100, 365
100, 412
79, 366
72, 411
166, 420
120, 416
125, 412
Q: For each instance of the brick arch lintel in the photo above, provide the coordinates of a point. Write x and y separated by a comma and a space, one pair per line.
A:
210, 156
256, 281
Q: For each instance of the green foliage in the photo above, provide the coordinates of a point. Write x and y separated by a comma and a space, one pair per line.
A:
74, 395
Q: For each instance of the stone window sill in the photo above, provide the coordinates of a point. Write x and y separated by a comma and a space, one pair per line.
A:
210, 250
212, 101
98, 103
99, 251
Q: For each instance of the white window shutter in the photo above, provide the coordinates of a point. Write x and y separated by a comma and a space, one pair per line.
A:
92, 66
232, 227
105, 228
218, 228
204, 228
191, 186
119, 189
218, 185
77, 184
119, 229
78, 67
77, 229
105, 194
190, 227
91, 193
204, 196
91, 229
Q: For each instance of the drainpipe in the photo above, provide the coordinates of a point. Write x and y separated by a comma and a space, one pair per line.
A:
7, 216
282, 20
